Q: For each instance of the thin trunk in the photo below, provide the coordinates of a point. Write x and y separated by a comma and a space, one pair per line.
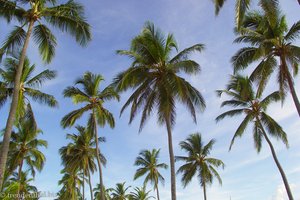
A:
13, 106
83, 196
204, 191
102, 197
157, 192
172, 160
285, 181
90, 184
291, 84
19, 177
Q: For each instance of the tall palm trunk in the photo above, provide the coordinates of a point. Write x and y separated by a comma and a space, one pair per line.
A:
90, 184
291, 84
13, 106
157, 192
19, 178
283, 176
83, 195
204, 191
102, 197
172, 160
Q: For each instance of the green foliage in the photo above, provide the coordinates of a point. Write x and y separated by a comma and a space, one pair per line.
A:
30, 84
254, 107
197, 163
67, 17
90, 95
154, 76
149, 167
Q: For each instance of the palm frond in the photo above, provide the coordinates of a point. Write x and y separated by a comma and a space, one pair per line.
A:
69, 18
46, 42
293, 33
13, 41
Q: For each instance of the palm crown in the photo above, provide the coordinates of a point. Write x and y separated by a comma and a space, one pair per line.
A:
254, 107
30, 84
140, 194
66, 17
154, 76
197, 161
92, 97
120, 192
269, 41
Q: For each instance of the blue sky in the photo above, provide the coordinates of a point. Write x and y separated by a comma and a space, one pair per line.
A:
247, 176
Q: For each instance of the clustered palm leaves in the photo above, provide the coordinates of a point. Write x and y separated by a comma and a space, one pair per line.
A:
140, 194
80, 154
149, 166
242, 6
198, 163
271, 43
120, 192
20, 184
35, 15
154, 76
70, 183
250, 103
30, 84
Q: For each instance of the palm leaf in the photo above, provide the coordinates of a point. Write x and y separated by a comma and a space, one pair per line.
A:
46, 42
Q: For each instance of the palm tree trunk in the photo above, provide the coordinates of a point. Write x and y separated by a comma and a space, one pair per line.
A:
83, 196
13, 106
157, 192
172, 160
90, 184
291, 84
19, 178
294, 94
102, 197
204, 191
285, 181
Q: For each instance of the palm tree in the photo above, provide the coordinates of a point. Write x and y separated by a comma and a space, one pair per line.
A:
149, 166
19, 183
93, 99
269, 42
30, 85
198, 163
140, 194
34, 15
97, 192
70, 183
120, 192
80, 153
241, 7
154, 76
254, 107
25, 148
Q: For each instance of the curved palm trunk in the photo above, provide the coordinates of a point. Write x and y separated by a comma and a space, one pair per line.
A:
157, 192
90, 185
291, 85
102, 197
283, 176
204, 191
172, 160
13, 106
